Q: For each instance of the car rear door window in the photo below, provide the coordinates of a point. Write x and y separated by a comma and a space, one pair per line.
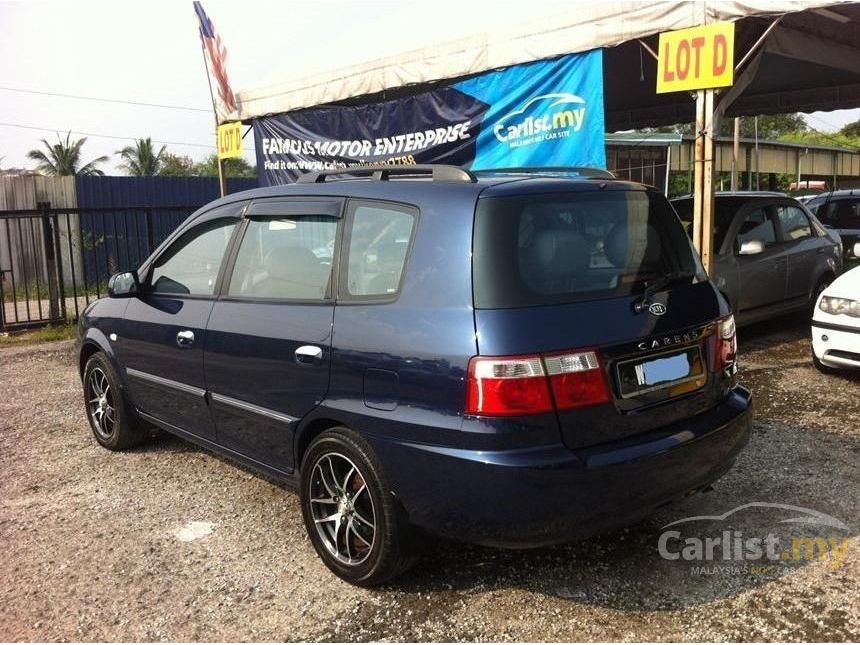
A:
757, 225
535, 250
794, 223
287, 258
377, 244
190, 265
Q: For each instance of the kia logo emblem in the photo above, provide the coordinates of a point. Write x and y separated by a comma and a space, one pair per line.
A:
657, 309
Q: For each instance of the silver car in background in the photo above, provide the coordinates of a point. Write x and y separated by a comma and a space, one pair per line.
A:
771, 255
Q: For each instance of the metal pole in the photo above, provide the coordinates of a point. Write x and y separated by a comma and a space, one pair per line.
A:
757, 169
736, 149
668, 168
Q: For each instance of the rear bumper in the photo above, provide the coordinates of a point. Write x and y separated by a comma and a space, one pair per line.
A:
550, 494
842, 347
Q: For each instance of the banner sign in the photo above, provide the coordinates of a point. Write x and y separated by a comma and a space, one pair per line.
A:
547, 113
697, 58
230, 140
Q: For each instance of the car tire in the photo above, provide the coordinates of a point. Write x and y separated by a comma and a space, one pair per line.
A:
356, 524
113, 424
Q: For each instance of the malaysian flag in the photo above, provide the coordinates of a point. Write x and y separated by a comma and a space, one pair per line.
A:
216, 60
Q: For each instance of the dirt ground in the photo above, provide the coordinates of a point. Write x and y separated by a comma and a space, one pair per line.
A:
92, 548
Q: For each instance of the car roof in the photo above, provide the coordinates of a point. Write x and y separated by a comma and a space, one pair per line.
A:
837, 194
486, 184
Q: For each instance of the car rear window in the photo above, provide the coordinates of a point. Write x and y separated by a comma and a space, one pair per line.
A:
534, 250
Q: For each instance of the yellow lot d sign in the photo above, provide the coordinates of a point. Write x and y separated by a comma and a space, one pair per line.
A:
697, 58
229, 140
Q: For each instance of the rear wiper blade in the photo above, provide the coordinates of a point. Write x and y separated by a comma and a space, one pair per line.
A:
656, 285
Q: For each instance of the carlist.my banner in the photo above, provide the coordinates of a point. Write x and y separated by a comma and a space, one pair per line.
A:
547, 113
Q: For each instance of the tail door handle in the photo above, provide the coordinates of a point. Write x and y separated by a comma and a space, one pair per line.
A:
308, 353
185, 338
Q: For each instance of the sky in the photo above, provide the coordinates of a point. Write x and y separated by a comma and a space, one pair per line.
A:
150, 52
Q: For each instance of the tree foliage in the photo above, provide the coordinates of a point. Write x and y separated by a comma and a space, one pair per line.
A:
852, 130
64, 158
141, 159
174, 165
237, 167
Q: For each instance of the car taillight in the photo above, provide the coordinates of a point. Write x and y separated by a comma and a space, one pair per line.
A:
506, 386
727, 343
523, 385
576, 380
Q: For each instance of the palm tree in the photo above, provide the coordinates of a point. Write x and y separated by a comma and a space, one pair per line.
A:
64, 158
141, 160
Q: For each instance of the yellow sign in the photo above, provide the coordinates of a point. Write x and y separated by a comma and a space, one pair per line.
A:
230, 140
697, 58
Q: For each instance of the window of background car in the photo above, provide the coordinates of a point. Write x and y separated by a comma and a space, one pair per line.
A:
285, 257
794, 222
757, 225
548, 249
724, 213
377, 246
190, 265
841, 213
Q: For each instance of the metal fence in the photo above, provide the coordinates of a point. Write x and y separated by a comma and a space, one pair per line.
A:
55, 261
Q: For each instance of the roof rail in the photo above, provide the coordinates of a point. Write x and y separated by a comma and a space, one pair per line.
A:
582, 171
382, 172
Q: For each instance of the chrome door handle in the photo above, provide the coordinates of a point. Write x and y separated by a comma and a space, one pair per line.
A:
185, 338
308, 353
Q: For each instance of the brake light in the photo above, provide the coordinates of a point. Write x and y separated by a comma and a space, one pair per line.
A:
523, 385
727, 343
576, 380
507, 386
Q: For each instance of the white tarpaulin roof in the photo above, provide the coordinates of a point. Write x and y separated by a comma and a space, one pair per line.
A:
591, 26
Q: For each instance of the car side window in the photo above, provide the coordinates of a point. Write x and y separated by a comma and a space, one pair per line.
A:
376, 248
757, 225
190, 265
794, 223
288, 258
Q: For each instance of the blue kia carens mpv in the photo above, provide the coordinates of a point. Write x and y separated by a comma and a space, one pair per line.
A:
511, 358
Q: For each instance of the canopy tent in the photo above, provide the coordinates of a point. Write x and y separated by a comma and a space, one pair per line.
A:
809, 61
801, 55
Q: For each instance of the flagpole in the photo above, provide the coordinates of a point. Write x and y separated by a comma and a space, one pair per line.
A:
222, 184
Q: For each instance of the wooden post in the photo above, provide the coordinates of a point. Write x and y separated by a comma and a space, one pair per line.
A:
703, 195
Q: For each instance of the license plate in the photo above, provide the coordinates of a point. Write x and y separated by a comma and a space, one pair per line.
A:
667, 370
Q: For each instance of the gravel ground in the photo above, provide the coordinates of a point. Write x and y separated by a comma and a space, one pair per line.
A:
98, 546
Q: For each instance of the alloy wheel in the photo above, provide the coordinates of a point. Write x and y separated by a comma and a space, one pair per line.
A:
342, 508
100, 403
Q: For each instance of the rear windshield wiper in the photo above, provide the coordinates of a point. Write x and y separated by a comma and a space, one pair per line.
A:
656, 285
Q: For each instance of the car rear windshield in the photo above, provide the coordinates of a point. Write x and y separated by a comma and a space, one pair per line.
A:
534, 250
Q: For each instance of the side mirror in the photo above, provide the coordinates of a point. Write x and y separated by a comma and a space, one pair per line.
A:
123, 285
751, 247
857, 249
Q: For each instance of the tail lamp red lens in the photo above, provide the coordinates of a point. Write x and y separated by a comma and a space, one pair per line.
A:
523, 385
727, 343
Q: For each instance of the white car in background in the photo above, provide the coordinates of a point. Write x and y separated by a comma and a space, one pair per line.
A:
836, 324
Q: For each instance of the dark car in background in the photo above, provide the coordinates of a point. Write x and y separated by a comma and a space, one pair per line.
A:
511, 359
771, 255
839, 211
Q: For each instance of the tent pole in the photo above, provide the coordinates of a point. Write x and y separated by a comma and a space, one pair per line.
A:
668, 168
736, 149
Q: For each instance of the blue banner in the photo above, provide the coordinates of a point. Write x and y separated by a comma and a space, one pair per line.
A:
547, 113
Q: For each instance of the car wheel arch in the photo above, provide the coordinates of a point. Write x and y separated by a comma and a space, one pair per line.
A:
309, 431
